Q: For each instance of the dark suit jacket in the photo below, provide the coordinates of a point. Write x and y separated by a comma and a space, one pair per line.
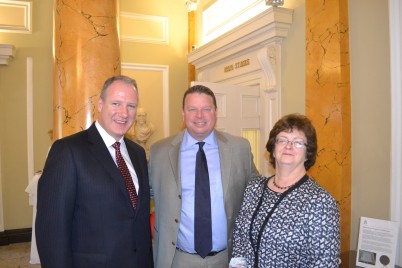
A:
84, 215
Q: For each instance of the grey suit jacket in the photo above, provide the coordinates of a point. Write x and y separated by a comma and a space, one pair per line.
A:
237, 169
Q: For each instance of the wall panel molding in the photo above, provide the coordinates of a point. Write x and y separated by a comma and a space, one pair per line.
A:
164, 69
140, 28
16, 16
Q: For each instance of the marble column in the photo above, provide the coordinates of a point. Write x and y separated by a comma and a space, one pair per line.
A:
191, 44
328, 102
86, 53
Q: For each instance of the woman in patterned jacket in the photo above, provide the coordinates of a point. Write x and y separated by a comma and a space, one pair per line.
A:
288, 220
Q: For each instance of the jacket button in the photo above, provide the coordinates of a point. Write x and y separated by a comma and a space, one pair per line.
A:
173, 243
176, 220
179, 196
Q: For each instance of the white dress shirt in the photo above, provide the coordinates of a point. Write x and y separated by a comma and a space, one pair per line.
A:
109, 141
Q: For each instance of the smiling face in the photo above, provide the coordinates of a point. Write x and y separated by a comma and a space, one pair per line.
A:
117, 109
199, 115
287, 155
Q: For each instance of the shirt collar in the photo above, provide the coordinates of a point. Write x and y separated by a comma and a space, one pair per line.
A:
189, 141
109, 140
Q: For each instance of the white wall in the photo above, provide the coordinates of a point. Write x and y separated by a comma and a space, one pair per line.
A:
371, 125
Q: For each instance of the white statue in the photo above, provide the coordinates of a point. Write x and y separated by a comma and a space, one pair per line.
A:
143, 130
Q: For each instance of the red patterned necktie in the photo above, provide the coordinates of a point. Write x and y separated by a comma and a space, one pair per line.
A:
121, 164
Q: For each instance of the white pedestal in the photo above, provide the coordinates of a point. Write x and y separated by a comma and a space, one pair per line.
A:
32, 191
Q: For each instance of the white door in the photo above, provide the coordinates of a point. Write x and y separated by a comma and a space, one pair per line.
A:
239, 113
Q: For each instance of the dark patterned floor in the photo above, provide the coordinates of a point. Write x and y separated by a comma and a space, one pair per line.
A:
16, 256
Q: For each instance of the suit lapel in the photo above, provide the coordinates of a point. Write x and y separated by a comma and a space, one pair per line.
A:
225, 155
102, 154
174, 156
138, 171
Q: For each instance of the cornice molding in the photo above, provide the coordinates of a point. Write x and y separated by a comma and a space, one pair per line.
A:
270, 25
6, 53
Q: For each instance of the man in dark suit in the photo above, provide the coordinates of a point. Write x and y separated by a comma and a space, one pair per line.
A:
86, 216
173, 168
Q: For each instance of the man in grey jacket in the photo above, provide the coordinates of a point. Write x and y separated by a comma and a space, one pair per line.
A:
172, 175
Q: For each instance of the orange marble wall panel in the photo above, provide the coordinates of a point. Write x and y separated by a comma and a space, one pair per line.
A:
191, 43
328, 102
86, 53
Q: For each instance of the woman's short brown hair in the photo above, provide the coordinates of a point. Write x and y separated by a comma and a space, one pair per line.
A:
291, 122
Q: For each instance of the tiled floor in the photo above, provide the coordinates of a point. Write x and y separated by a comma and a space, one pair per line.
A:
16, 256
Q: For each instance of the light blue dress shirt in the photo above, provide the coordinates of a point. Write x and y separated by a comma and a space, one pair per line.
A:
188, 152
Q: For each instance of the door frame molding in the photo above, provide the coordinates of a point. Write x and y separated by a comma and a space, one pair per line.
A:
395, 19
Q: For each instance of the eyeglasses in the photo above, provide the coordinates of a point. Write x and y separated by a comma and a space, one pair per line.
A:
295, 143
